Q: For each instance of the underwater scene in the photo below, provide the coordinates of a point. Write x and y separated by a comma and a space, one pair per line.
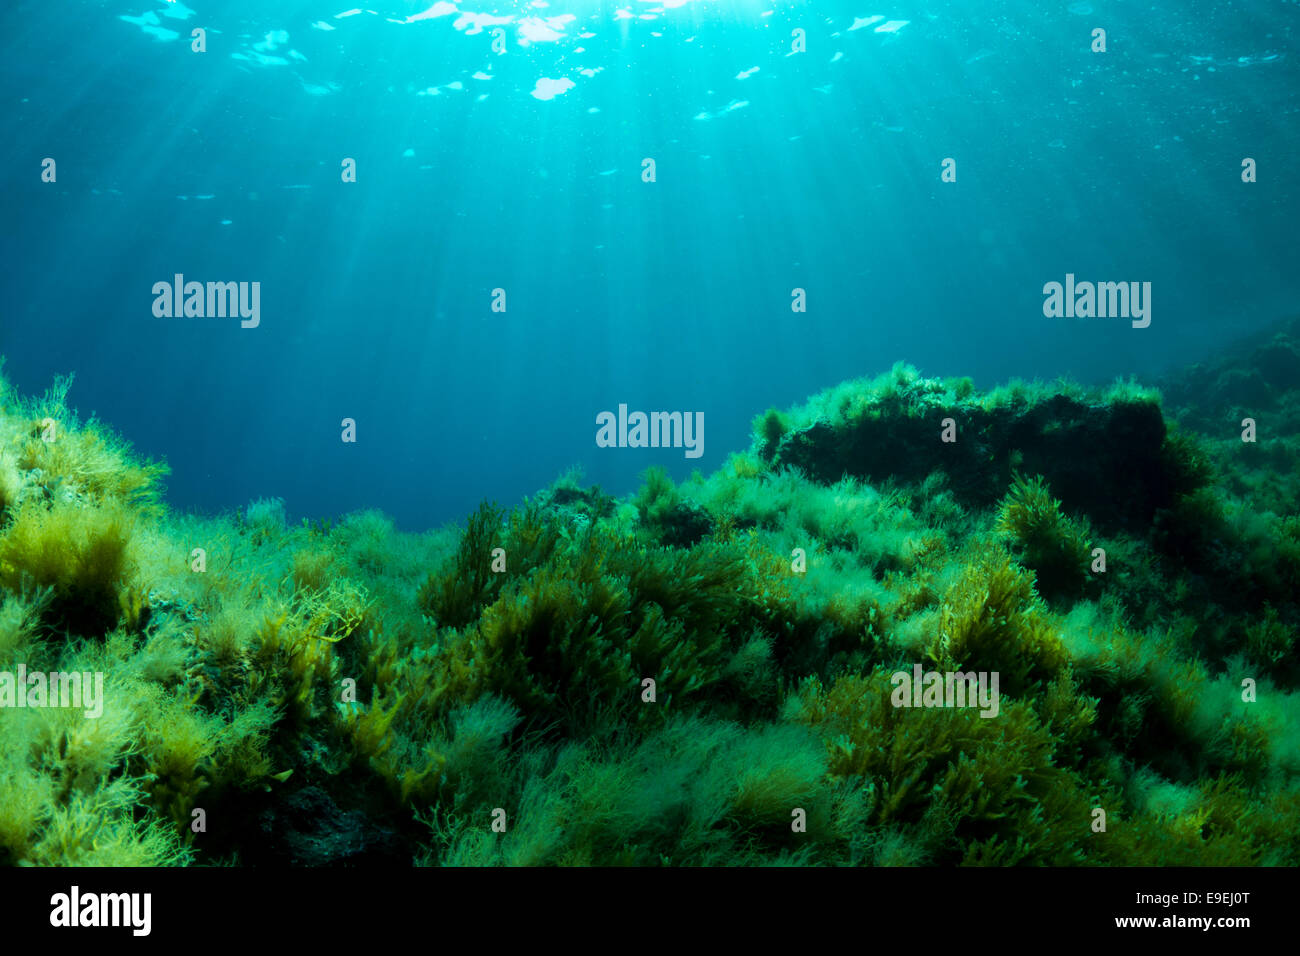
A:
355, 501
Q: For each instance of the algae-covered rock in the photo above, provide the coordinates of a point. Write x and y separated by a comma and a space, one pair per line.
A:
1101, 453
1258, 375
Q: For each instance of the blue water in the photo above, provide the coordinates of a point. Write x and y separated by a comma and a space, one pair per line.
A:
774, 170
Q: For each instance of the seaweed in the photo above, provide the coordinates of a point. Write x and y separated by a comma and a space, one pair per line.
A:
691, 674
1055, 547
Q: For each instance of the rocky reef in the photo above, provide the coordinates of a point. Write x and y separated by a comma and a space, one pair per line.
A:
700, 673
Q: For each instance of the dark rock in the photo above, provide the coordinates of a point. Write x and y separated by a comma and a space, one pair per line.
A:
567, 500
683, 525
1101, 458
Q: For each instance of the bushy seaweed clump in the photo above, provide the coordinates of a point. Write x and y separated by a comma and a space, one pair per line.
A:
1056, 548
702, 673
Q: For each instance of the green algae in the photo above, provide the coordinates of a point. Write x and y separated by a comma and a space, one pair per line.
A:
696, 674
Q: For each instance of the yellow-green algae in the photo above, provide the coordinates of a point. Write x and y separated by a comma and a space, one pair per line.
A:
228, 672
